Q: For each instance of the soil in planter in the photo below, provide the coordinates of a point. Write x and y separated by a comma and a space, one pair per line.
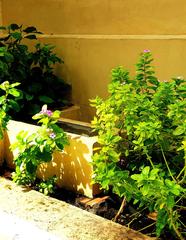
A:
139, 221
107, 205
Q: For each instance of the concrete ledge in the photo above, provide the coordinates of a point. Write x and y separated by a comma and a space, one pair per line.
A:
72, 166
21, 229
59, 218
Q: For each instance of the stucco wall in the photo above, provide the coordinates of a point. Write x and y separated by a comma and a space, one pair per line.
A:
1, 17
72, 166
94, 36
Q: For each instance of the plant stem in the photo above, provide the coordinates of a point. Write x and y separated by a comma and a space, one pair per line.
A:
177, 232
149, 158
120, 209
182, 223
181, 172
175, 228
147, 227
167, 164
184, 169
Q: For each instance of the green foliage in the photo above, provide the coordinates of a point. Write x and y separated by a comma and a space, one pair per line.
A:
34, 149
8, 100
47, 187
142, 135
32, 68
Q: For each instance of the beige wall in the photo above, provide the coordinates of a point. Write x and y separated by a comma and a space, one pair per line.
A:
1, 17
93, 36
72, 166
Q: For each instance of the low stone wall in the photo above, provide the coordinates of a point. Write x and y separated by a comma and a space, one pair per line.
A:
72, 166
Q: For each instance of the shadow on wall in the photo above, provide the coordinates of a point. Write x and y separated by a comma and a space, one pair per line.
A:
1, 152
8, 155
72, 167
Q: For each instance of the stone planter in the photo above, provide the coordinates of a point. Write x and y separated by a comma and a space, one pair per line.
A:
72, 166
1, 152
72, 112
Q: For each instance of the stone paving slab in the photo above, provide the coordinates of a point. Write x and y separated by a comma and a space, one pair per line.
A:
14, 228
42, 215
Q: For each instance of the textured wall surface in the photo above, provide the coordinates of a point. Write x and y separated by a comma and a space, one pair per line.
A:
94, 36
72, 166
1, 17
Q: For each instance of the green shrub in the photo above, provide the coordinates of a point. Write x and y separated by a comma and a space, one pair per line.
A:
38, 147
47, 187
8, 100
33, 69
142, 135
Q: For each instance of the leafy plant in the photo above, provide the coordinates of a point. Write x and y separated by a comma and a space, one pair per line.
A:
34, 149
47, 187
142, 135
32, 68
8, 100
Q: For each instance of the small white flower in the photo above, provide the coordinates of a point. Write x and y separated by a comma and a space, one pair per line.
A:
180, 77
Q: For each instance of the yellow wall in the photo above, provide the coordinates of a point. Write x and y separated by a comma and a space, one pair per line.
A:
1, 17
72, 167
1, 152
93, 36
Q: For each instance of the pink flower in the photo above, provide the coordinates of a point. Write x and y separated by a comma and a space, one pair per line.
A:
146, 50
49, 113
46, 112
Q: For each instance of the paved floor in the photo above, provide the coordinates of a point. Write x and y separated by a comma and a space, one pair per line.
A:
14, 228
29, 215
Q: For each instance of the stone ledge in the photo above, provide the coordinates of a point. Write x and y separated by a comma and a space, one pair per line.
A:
59, 218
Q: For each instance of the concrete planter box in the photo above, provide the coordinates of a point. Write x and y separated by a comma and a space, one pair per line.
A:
72, 166
1, 152
29, 215
72, 112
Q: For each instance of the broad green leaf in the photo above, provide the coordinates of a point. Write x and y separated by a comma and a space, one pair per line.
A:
30, 29
45, 99
146, 170
2, 28
179, 131
15, 84
161, 221
14, 26
136, 177
33, 36
14, 92
170, 202
16, 35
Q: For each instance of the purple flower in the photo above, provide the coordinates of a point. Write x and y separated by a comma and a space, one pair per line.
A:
49, 113
52, 135
146, 50
46, 112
